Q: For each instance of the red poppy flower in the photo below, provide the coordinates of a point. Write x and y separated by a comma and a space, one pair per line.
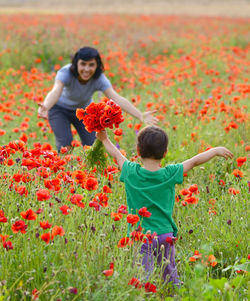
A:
125, 241
43, 172
30, 163
80, 113
211, 260
13, 145
98, 116
238, 173
17, 177
122, 209
46, 237
27, 178
65, 209
149, 287
29, 215
10, 162
184, 192
35, 293
45, 225
91, 183
76, 143
150, 237
2, 132
23, 137
196, 256
57, 230
106, 189
241, 160
109, 272
8, 245
170, 241
22, 190
222, 183
137, 236
193, 188
116, 216
39, 211
76, 200
73, 290
43, 195
191, 200
95, 205
132, 219
102, 199
118, 132
144, 212
19, 226
3, 238
3, 219
79, 176
233, 191
135, 282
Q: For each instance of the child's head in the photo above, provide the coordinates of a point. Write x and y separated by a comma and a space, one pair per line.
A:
152, 142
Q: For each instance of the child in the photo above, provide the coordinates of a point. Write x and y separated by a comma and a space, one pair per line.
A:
153, 187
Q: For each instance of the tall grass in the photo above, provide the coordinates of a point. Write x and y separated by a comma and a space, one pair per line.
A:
189, 70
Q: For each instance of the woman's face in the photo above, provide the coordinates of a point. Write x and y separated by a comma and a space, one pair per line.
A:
86, 69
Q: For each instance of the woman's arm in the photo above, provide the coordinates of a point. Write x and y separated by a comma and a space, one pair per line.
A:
206, 156
128, 107
51, 99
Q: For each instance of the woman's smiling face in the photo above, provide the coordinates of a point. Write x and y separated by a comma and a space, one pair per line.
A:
86, 69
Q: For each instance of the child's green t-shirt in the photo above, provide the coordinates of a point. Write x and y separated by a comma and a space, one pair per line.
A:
154, 190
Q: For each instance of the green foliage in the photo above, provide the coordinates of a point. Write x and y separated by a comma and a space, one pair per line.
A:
155, 59
96, 156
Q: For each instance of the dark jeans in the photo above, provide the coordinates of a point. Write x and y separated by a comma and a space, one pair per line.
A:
60, 120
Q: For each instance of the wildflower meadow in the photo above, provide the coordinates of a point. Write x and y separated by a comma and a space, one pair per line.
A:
63, 222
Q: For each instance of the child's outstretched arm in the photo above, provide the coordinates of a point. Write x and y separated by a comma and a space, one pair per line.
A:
206, 156
111, 149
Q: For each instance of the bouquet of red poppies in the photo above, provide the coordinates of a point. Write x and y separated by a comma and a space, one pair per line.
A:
96, 117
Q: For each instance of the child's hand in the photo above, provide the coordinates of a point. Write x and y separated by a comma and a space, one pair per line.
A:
223, 152
102, 135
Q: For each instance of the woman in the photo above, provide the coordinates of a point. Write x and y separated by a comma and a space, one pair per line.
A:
73, 88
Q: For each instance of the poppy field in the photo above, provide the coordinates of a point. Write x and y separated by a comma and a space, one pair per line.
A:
63, 224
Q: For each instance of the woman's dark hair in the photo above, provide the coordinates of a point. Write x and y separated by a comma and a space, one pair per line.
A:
152, 142
86, 54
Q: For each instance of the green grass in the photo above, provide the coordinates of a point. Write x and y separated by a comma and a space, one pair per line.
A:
179, 85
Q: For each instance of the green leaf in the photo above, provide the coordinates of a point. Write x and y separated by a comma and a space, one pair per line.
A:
244, 267
96, 156
218, 283
243, 260
237, 280
227, 268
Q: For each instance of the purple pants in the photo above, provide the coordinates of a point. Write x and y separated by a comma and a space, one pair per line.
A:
165, 258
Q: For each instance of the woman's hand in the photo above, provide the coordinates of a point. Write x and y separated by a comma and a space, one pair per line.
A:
148, 118
42, 111
223, 152
128, 107
51, 99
